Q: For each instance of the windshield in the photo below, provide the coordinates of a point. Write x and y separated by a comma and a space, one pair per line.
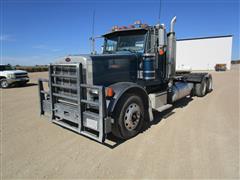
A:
131, 43
5, 67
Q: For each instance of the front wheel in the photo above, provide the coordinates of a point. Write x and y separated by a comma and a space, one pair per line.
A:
128, 117
4, 83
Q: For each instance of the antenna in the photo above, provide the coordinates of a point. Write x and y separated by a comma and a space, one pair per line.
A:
159, 10
93, 38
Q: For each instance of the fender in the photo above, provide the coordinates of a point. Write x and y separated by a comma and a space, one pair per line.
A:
121, 88
196, 77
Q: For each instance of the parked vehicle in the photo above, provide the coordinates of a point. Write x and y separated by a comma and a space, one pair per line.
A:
220, 67
10, 76
117, 90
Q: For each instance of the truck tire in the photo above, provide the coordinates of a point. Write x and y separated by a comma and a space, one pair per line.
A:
128, 117
201, 88
4, 83
209, 84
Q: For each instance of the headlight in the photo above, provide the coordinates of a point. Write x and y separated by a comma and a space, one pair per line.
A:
11, 76
93, 92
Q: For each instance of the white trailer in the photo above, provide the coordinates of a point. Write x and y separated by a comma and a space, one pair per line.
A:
204, 53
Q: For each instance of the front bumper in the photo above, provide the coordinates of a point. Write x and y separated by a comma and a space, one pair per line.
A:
16, 80
68, 105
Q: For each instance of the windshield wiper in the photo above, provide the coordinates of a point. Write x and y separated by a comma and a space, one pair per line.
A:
109, 52
128, 49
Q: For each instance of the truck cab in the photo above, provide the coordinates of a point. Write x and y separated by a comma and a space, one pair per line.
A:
9, 76
116, 91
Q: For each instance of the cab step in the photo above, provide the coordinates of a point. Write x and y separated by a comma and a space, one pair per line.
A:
164, 107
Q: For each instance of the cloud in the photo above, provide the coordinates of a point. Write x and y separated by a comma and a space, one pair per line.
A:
6, 37
46, 48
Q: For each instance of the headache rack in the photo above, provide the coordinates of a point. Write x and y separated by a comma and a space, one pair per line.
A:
67, 103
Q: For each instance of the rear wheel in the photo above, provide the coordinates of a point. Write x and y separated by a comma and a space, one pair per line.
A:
128, 116
209, 84
4, 83
201, 88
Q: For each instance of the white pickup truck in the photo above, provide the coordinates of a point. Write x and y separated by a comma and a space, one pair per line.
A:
9, 76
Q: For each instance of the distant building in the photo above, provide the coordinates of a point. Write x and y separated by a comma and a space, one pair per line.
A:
204, 53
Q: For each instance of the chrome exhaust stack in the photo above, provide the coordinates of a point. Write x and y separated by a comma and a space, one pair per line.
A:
173, 21
171, 48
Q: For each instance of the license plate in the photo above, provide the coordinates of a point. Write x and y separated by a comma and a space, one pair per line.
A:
91, 123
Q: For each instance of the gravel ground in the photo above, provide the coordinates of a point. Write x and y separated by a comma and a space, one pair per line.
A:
199, 138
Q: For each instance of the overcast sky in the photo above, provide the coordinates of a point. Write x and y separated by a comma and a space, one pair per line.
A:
39, 31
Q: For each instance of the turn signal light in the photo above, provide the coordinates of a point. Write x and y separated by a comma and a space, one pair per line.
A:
161, 51
110, 92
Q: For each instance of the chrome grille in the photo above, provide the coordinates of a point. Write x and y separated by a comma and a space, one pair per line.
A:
21, 75
64, 82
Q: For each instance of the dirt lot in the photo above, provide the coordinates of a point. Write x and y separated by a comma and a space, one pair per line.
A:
198, 139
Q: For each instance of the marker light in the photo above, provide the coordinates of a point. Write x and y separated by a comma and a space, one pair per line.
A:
138, 22
161, 51
110, 92
114, 28
131, 26
144, 25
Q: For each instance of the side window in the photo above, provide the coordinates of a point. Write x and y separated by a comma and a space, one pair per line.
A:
150, 43
111, 45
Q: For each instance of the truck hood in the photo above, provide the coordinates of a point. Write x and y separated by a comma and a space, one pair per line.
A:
85, 59
105, 69
72, 59
114, 56
112, 68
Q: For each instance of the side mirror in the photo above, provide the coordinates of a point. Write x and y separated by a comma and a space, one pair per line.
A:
102, 48
92, 39
162, 36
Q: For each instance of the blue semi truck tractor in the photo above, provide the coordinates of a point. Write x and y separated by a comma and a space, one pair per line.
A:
117, 90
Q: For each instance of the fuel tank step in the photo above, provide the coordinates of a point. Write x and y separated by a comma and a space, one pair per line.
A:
163, 108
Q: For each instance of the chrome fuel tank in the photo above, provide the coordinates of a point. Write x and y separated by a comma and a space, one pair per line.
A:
180, 90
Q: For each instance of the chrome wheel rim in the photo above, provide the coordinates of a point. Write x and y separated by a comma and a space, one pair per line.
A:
132, 116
